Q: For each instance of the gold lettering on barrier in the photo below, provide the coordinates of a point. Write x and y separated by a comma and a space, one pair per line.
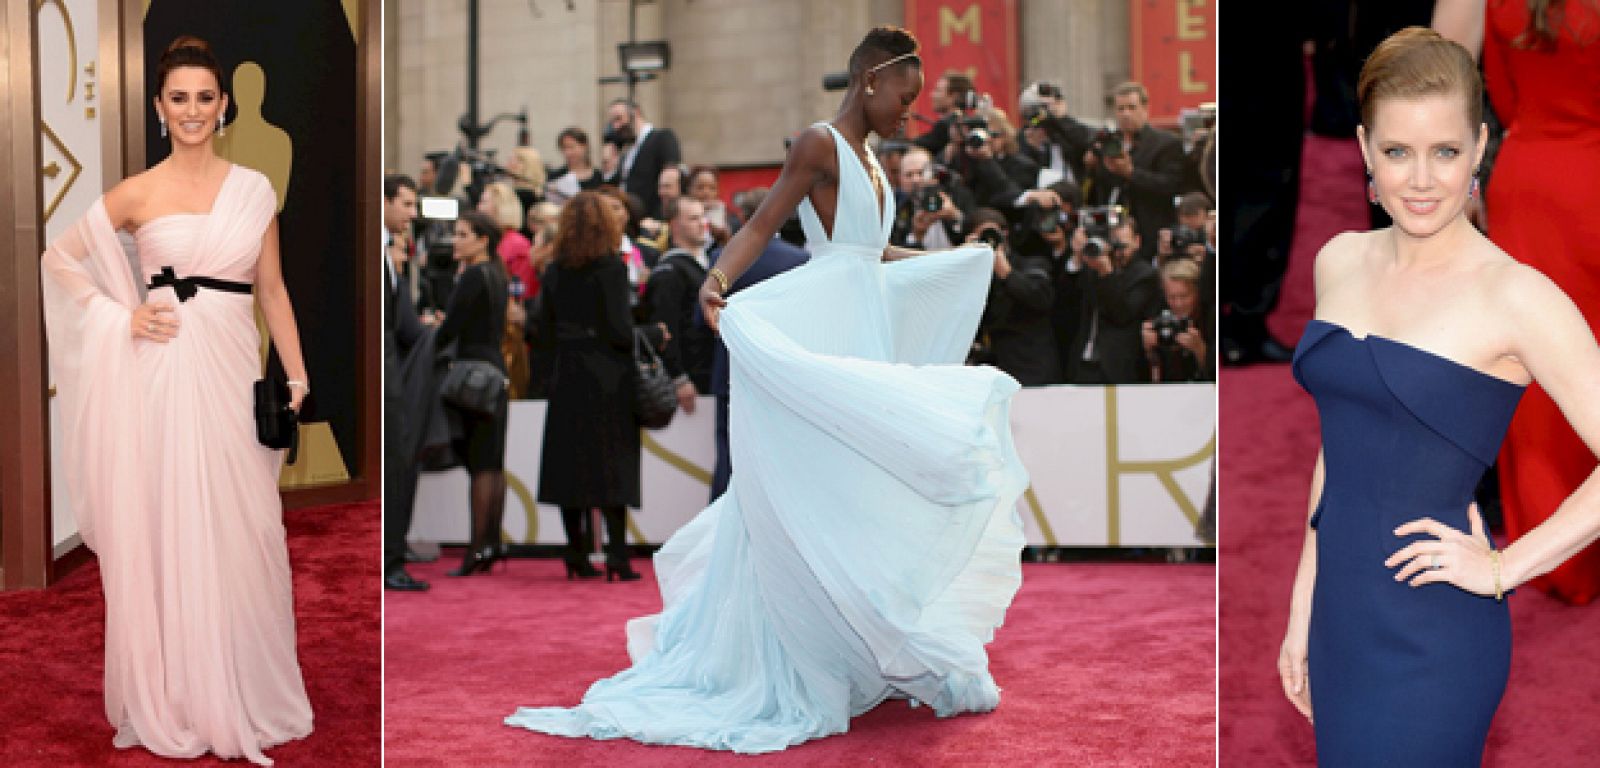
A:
1037, 510
969, 23
1191, 23
1163, 470
1186, 81
678, 462
530, 509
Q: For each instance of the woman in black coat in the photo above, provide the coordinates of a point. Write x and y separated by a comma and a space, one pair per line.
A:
475, 320
590, 455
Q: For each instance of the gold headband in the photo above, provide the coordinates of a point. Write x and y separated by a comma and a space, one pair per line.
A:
911, 55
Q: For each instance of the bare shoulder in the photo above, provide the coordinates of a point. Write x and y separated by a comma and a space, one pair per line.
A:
1340, 256
813, 148
1523, 291
125, 201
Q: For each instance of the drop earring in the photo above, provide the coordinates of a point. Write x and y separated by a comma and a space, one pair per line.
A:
222, 127
1372, 190
1472, 193
163, 126
869, 90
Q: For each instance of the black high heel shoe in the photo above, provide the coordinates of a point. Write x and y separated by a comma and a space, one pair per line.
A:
477, 560
622, 572
581, 570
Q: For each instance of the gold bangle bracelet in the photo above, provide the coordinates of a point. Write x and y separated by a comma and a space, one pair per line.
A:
721, 278
1499, 594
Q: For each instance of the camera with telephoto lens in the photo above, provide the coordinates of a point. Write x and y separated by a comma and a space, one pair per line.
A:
1097, 222
1183, 237
1167, 327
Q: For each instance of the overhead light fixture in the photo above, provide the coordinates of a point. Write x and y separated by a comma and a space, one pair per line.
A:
644, 56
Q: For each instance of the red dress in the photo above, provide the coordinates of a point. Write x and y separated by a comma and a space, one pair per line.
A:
1542, 203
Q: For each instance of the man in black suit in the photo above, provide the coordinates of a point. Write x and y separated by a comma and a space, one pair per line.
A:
672, 296
1017, 326
401, 329
777, 257
1146, 174
644, 150
1050, 136
1117, 292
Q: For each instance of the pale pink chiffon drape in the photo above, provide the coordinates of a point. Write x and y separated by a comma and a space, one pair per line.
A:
169, 485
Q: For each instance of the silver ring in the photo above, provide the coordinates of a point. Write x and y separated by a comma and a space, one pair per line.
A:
150, 328
1433, 562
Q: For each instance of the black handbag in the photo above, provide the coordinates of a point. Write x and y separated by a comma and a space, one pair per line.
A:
656, 398
475, 386
277, 425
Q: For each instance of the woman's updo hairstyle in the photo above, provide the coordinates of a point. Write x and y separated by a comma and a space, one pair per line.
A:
186, 51
1417, 61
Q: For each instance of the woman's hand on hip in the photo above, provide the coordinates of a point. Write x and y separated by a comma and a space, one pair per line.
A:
1452, 557
154, 321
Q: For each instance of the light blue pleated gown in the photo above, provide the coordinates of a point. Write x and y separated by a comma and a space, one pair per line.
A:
868, 544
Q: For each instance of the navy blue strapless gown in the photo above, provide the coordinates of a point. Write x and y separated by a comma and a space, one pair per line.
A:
1400, 675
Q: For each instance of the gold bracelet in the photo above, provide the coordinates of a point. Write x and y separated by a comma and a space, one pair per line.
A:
1499, 594
721, 278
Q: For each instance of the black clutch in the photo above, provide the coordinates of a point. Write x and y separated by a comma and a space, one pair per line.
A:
277, 425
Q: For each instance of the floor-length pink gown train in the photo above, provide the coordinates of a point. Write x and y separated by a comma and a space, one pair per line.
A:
169, 485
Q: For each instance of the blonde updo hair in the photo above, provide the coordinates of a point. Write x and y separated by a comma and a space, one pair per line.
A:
1417, 61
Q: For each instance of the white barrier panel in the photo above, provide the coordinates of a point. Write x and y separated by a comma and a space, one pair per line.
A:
1111, 466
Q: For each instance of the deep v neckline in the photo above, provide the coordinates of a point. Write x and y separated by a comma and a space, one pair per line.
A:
879, 195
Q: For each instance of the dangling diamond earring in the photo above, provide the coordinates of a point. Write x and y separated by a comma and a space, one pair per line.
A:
222, 127
869, 90
1372, 190
1475, 190
163, 126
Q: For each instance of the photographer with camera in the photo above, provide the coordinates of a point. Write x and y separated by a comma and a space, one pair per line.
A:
1050, 137
998, 178
1137, 166
1117, 291
930, 209
1176, 339
950, 89
641, 151
1188, 237
1017, 330
1046, 233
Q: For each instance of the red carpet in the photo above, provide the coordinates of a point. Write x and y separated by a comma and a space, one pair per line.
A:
1269, 444
52, 659
1101, 665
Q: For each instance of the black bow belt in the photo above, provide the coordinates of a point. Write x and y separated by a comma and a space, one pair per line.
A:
186, 287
